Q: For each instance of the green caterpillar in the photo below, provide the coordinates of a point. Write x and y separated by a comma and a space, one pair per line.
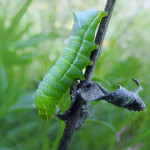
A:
75, 57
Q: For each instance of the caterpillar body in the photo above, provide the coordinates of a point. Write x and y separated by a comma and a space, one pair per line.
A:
75, 57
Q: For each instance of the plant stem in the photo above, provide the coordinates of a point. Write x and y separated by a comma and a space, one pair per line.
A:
99, 40
70, 124
76, 108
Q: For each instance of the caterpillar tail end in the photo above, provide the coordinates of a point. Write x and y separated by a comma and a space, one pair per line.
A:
46, 118
45, 114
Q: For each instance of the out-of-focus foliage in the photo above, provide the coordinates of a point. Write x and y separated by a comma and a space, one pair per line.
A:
33, 35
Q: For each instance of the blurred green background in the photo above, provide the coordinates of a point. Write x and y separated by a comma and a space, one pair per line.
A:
33, 35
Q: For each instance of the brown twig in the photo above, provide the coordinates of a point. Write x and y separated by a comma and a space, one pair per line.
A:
99, 40
72, 117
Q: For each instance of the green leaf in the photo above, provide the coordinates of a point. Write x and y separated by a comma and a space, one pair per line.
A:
12, 58
102, 123
143, 135
33, 41
3, 81
25, 101
15, 21
17, 35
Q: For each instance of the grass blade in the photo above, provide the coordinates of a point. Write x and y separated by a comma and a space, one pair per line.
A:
102, 123
15, 21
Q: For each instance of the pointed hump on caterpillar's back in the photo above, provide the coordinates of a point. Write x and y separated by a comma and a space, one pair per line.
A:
85, 17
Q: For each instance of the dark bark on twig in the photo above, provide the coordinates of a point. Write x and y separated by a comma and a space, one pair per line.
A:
72, 117
70, 124
120, 97
99, 40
